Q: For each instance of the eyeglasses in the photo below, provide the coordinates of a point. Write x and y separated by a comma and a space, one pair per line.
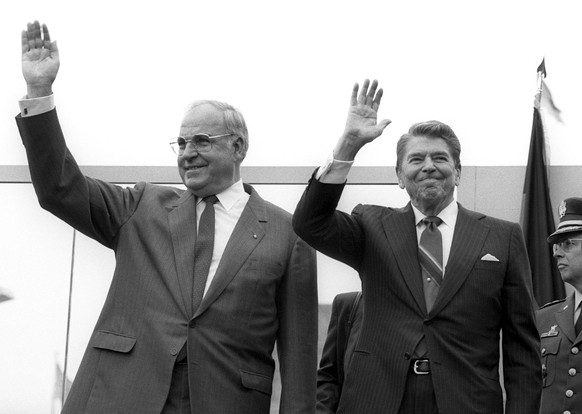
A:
566, 245
201, 142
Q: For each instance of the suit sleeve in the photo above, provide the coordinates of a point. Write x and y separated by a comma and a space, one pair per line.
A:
330, 231
297, 336
328, 375
520, 339
93, 207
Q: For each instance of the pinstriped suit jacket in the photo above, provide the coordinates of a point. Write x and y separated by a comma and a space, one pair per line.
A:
264, 290
477, 300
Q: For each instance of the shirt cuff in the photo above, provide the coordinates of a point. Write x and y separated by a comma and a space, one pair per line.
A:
334, 171
36, 106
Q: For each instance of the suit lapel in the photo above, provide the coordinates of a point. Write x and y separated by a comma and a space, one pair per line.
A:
246, 235
468, 240
400, 230
182, 221
565, 319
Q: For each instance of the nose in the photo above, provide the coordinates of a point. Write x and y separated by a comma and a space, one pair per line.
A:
558, 252
190, 150
428, 164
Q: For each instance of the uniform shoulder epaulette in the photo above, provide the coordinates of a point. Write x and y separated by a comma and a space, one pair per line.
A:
552, 303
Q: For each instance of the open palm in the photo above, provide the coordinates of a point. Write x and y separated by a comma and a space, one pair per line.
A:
362, 121
40, 56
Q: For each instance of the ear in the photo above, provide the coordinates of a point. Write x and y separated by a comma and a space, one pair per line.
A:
400, 180
238, 148
457, 176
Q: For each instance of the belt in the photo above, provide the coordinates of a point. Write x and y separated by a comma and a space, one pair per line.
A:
420, 366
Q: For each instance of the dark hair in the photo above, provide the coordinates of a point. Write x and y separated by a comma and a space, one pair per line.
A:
430, 129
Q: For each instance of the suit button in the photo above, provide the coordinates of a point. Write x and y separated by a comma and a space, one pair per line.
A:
575, 350
569, 393
567, 412
572, 372
406, 355
173, 351
543, 351
192, 324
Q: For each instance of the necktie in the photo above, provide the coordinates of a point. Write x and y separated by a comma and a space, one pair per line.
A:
203, 251
578, 325
431, 259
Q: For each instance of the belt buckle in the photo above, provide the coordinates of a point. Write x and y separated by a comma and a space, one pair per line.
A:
416, 368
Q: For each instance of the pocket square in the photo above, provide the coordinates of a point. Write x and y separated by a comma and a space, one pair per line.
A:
489, 258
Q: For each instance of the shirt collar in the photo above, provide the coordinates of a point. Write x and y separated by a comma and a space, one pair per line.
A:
448, 215
230, 196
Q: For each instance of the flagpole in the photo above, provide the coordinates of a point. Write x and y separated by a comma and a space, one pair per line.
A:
68, 320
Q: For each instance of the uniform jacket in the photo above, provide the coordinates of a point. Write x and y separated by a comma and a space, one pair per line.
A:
561, 358
264, 291
343, 332
486, 290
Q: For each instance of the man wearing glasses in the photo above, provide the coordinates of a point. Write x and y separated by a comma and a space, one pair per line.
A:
207, 279
559, 322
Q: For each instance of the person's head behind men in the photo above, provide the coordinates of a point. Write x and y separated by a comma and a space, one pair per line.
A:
428, 165
210, 172
567, 242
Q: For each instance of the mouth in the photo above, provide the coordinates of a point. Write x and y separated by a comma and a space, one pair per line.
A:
561, 266
193, 167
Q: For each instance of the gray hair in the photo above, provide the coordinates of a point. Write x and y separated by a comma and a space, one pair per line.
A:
233, 119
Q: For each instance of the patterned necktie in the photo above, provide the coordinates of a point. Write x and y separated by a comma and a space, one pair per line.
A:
431, 259
203, 251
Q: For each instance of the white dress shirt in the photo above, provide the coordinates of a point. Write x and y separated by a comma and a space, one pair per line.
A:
228, 209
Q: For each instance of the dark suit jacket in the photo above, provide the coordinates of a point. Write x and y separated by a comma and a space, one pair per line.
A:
342, 334
560, 355
264, 290
477, 300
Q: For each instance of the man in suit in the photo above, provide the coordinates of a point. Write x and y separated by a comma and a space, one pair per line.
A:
559, 323
342, 334
159, 346
439, 282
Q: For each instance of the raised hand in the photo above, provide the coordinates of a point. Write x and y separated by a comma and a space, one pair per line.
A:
40, 60
362, 124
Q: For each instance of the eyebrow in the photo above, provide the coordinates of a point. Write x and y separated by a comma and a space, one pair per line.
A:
425, 153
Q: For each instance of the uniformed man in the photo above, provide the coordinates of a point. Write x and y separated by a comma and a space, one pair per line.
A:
559, 323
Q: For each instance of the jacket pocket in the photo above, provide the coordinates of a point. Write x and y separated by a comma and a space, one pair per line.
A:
112, 341
550, 348
258, 382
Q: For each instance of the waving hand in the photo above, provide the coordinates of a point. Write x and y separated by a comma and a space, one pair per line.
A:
40, 60
362, 124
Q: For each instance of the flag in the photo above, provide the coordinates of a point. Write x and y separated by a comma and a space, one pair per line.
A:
537, 219
60, 383
4, 295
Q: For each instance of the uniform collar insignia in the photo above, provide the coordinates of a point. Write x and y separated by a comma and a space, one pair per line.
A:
551, 332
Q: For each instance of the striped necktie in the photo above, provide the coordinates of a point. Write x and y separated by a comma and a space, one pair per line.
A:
431, 259
203, 251
578, 325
